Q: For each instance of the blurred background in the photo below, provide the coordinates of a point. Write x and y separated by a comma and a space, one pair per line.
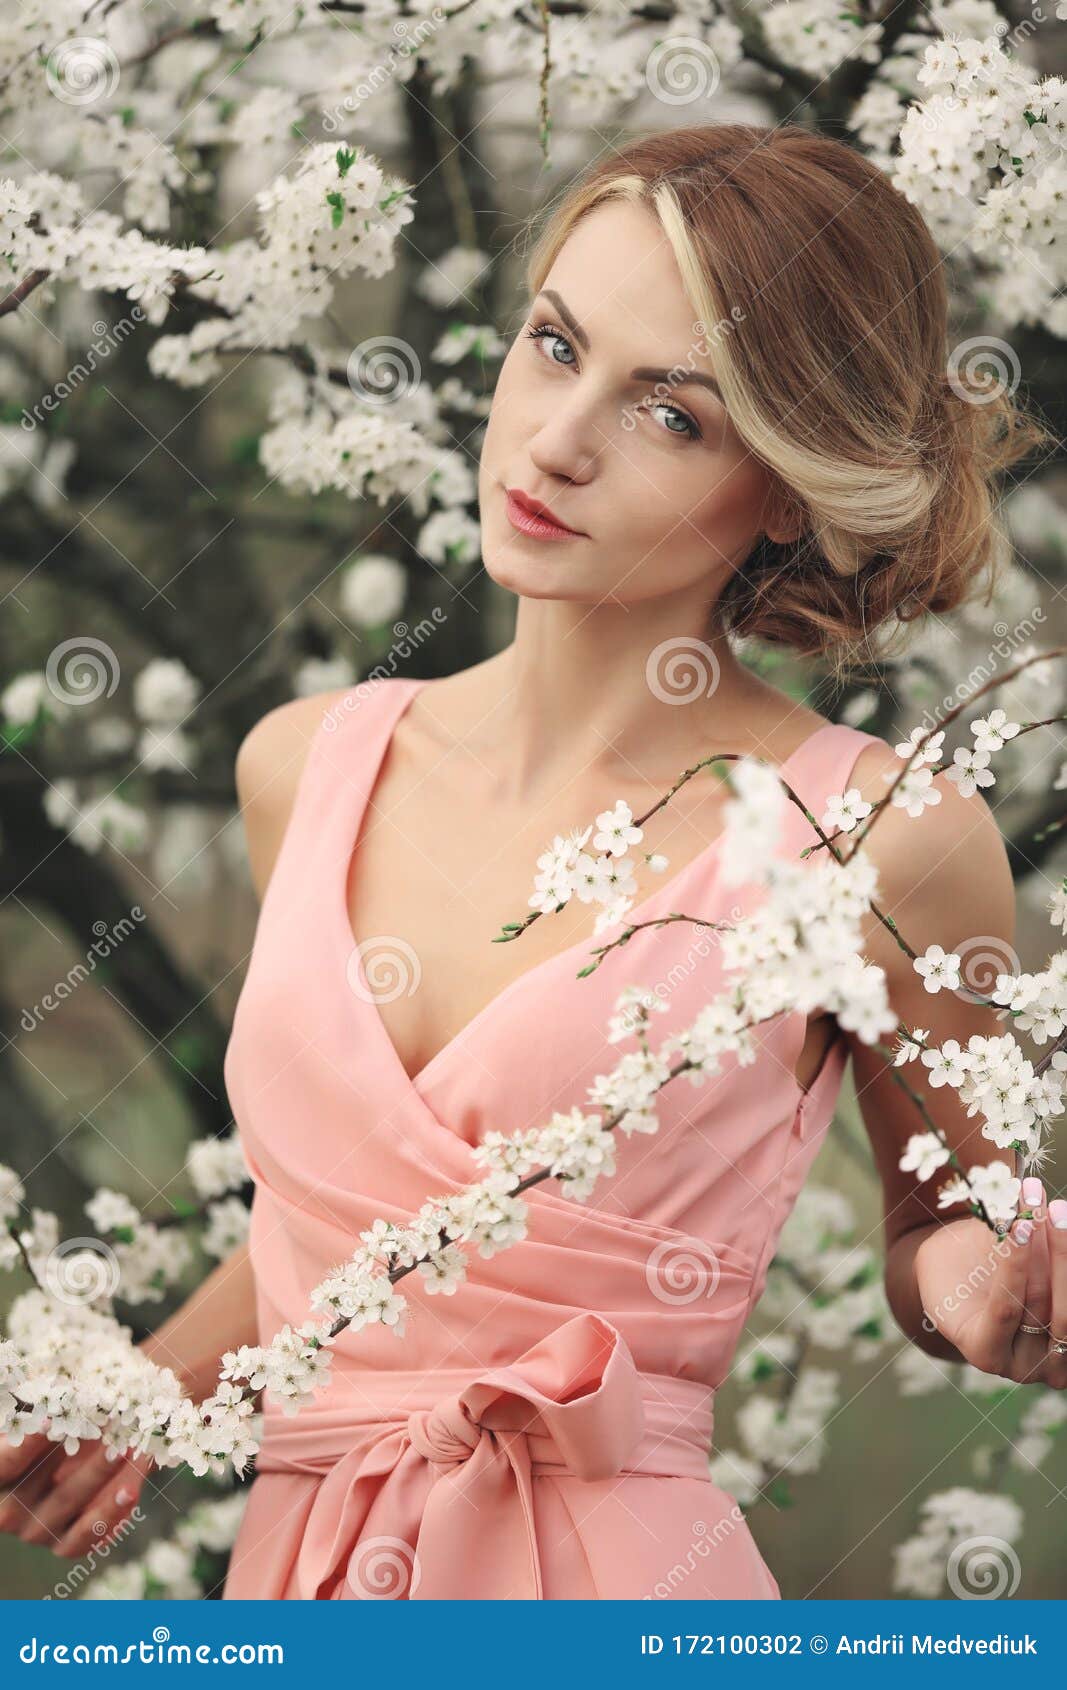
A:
171, 570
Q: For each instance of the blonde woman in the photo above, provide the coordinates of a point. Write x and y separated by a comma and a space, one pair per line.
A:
727, 412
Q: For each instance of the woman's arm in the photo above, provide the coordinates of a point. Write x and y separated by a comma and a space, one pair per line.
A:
967, 1236
219, 1315
69, 1502
944, 878
51, 1498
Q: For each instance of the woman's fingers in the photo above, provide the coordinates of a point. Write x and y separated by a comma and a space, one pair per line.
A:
16, 1458
1056, 1230
1030, 1349
996, 1333
24, 1492
106, 1510
74, 1483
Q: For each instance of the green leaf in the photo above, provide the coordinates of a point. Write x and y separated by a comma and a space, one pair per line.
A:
14, 734
346, 158
188, 1048
779, 1494
336, 200
764, 1369
245, 449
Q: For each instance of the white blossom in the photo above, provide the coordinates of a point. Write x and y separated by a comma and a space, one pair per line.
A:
938, 969
373, 590
992, 732
970, 770
845, 811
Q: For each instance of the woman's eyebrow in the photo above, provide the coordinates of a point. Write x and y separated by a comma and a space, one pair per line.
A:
572, 323
678, 377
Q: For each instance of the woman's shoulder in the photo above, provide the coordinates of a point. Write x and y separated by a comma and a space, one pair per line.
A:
269, 767
272, 752
942, 860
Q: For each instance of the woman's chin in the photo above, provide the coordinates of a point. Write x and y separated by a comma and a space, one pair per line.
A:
528, 576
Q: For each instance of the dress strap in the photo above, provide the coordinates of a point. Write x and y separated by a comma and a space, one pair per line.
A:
342, 753
824, 767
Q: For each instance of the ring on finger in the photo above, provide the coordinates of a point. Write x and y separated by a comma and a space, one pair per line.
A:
1057, 1346
1037, 1329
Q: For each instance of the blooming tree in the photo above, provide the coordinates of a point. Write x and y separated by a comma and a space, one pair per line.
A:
191, 196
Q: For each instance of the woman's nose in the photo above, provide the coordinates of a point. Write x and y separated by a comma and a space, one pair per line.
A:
569, 443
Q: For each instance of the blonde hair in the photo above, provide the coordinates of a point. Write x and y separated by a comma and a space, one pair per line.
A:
822, 294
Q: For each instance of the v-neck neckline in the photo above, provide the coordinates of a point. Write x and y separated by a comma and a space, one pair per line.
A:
638, 912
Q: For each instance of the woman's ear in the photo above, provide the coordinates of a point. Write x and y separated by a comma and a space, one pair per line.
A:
783, 517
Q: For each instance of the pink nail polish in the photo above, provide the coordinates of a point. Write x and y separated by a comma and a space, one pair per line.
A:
122, 1497
1021, 1231
1057, 1212
1033, 1192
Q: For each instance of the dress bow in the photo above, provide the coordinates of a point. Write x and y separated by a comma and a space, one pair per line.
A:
459, 1474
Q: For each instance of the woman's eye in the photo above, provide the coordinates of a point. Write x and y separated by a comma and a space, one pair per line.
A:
688, 429
545, 332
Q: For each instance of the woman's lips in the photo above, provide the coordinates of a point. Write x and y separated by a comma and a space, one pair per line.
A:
539, 527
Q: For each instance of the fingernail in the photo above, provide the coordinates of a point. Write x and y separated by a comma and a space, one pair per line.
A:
1057, 1212
1033, 1192
1021, 1231
122, 1497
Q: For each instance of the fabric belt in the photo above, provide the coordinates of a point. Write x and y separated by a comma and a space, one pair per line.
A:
574, 1404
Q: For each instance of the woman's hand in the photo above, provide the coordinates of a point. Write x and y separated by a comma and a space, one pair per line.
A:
68, 1502
980, 1291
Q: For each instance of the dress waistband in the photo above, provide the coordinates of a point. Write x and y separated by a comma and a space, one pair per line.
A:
573, 1404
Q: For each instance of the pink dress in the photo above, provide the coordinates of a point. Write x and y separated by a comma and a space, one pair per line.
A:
545, 1431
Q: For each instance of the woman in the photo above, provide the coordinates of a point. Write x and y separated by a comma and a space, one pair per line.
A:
726, 414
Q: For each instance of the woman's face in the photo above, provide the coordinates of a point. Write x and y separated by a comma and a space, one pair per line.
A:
665, 496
